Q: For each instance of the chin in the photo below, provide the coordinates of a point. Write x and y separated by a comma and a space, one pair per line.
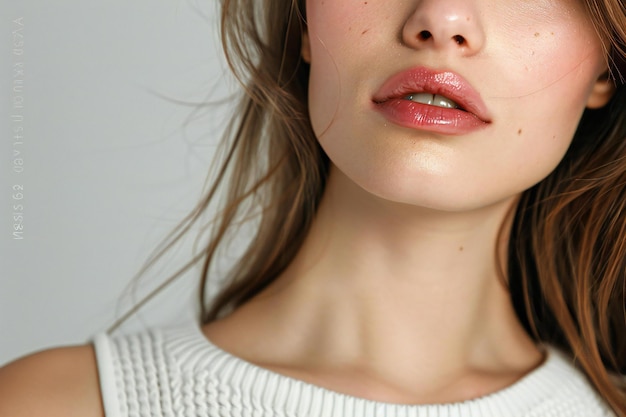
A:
448, 191
442, 196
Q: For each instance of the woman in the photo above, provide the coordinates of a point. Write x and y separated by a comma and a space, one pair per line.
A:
443, 232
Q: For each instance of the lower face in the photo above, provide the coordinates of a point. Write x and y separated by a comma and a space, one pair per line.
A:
534, 68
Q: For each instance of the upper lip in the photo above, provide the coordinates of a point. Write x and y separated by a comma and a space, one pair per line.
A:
445, 83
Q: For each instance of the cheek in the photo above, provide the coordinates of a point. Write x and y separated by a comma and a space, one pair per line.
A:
339, 50
537, 130
324, 92
555, 51
325, 80
540, 125
545, 86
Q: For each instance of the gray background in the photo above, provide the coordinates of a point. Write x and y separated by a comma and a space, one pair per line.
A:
109, 167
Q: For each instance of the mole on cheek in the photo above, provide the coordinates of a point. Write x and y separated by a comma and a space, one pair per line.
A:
519, 132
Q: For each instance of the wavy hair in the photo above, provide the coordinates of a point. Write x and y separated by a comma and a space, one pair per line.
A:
567, 252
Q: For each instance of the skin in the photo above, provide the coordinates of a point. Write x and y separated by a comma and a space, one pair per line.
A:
395, 294
61, 382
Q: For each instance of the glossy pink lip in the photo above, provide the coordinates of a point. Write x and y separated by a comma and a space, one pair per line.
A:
391, 101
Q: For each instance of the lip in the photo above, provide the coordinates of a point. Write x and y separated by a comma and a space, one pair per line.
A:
390, 101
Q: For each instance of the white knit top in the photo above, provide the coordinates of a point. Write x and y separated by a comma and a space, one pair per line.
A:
178, 372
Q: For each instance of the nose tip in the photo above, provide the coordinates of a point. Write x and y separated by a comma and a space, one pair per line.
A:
444, 24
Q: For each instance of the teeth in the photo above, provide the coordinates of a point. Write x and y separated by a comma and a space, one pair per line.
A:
423, 98
433, 100
441, 101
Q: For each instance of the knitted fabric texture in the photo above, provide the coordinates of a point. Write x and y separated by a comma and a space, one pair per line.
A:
177, 372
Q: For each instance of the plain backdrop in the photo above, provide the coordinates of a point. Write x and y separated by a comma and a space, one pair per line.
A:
100, 158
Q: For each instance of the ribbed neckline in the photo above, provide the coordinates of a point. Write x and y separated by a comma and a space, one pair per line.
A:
193, 351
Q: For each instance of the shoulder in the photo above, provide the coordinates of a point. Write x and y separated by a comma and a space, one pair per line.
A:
55, 382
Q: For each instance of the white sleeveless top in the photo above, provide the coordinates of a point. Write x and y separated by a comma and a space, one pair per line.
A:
177, 372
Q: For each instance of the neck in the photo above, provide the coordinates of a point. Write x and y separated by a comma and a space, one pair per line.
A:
378, 284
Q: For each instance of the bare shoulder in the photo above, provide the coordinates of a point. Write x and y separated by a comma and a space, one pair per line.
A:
56, 382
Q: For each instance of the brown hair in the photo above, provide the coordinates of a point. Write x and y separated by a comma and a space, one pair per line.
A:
567, 252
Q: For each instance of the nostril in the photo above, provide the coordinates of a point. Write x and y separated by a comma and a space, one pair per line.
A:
460, 40
424, 35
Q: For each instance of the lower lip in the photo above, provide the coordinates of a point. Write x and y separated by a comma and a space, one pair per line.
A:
445, 121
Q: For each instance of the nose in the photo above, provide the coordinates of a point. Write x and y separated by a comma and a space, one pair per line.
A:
444, 24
